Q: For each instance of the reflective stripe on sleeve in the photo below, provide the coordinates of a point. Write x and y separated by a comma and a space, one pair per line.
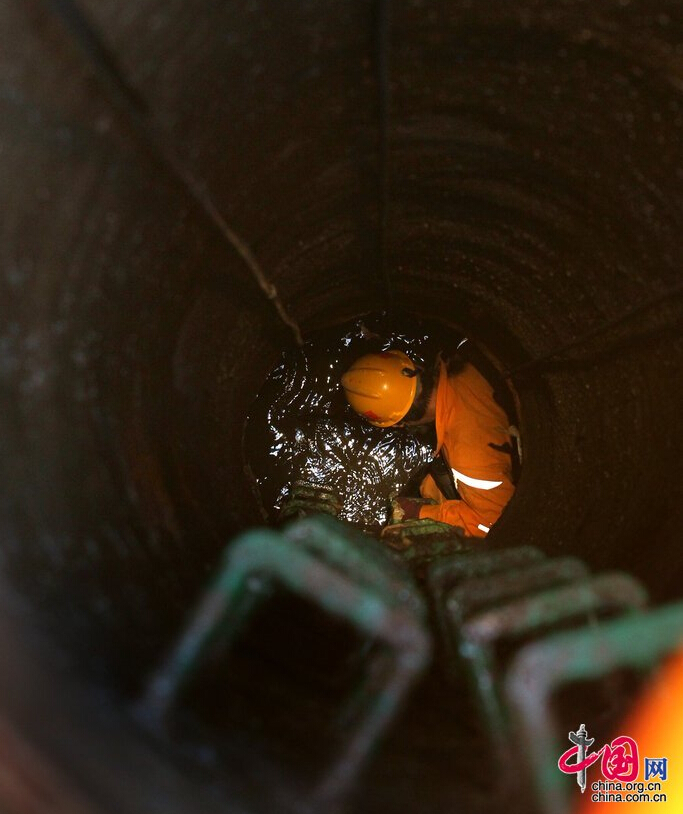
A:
474, 482
485, 529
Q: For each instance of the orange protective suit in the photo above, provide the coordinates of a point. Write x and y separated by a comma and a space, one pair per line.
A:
469, 427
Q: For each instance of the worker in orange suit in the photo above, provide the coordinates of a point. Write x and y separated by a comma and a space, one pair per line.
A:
472, 430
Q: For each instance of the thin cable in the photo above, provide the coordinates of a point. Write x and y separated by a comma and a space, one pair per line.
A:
615, 322
383, 69
129, 102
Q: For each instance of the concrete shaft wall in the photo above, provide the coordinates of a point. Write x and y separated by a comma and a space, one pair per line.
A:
533, 191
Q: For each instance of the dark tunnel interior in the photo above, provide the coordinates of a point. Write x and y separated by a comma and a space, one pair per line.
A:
510, 170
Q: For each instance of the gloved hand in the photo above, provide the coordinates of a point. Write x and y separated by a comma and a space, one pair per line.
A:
405, 508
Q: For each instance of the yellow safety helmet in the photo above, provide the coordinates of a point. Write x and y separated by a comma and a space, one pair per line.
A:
381, 386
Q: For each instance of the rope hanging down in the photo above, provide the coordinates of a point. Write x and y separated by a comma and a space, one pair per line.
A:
382, 68
127, 100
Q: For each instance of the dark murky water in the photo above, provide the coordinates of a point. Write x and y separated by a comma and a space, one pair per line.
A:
300, 427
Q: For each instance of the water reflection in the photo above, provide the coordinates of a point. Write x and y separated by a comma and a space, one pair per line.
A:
301, 428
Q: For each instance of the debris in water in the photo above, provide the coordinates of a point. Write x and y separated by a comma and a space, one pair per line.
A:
300, 427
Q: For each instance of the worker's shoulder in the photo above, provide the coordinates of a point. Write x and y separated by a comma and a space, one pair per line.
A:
470, 397
467, 377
